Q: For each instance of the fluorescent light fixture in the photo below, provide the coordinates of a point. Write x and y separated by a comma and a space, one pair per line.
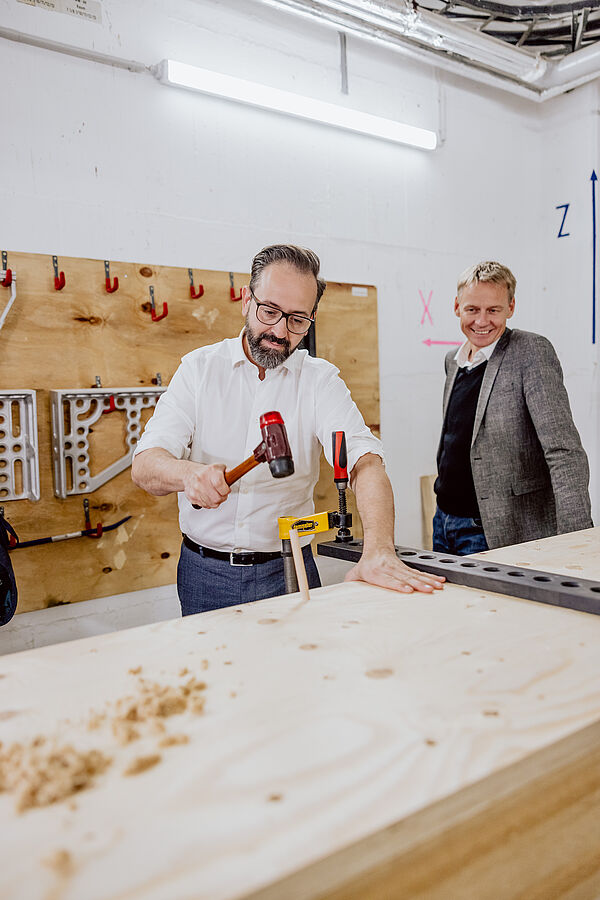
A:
238, 89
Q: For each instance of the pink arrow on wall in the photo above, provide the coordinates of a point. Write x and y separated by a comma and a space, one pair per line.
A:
429, 342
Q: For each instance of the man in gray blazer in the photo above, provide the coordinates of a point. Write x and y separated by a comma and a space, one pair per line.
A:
511, 467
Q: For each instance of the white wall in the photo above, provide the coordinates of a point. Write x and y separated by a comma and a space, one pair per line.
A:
99, 162
564, 294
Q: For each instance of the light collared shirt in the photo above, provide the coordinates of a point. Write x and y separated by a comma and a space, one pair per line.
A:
210, 414
482, 355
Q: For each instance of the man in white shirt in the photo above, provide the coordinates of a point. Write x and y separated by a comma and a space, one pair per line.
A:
208, 421
511, 467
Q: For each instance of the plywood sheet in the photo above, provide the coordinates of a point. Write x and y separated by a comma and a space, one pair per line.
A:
576, 555
63, 339
327, 724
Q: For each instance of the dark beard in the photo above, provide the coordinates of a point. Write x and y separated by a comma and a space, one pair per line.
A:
267, 357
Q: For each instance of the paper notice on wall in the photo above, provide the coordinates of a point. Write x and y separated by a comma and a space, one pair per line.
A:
358, 291
90, 10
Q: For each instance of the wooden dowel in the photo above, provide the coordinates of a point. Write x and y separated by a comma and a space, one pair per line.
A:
299, 563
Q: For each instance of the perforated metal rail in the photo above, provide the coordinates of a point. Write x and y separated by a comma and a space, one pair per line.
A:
529, 584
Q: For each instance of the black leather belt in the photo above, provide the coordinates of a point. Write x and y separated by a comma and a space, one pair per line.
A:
234, 559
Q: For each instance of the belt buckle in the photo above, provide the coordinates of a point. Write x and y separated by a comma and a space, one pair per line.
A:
239, 553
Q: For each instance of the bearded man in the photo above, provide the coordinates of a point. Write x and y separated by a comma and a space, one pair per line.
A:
208, 420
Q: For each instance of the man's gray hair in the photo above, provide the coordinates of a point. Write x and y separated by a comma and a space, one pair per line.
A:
488, 271
299, 257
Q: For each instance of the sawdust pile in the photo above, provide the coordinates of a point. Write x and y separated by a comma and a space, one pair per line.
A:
39, 773
144, 713
44, 770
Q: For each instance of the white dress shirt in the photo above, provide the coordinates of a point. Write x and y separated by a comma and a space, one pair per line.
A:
482, 355
210, 414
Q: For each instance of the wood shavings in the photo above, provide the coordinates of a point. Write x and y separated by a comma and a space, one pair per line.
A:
61, 862
379, 673
125, 732
135, 671
155, 703
38, 774
156, 726
173, 740
142, 763
44, 771
96, 721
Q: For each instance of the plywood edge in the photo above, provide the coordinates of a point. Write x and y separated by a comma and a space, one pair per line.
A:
529, 830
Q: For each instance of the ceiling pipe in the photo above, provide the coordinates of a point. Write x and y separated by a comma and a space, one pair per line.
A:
422, 36
451, 46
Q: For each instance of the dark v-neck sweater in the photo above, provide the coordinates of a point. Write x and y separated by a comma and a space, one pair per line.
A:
454, 485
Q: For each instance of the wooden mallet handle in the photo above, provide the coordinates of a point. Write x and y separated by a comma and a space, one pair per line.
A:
233, 474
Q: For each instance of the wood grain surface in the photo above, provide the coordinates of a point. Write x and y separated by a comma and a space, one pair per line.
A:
63, 339
365, 744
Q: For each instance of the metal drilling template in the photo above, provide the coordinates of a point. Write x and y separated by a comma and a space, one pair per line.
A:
19, 446
73, 414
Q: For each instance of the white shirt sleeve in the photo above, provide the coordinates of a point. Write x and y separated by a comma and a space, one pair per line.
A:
172, 425
337, 411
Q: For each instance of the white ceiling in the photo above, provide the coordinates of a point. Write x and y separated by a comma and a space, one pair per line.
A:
538, 49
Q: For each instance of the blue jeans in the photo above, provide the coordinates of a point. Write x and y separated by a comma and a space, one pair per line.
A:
457, 535
204, 583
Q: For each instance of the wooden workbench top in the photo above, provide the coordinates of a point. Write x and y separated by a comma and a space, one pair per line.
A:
324, 723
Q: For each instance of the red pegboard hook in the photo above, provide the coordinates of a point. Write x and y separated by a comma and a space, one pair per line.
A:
110, 289
59, 277
112, 406
7, 280
88, 524
194, 294
165, 311
232, 288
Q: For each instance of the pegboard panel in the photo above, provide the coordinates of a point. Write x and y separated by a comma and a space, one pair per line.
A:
63, 339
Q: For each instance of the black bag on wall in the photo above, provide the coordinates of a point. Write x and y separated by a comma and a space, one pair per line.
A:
8, 585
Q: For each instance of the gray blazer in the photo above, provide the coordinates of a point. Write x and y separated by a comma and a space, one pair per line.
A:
529, 468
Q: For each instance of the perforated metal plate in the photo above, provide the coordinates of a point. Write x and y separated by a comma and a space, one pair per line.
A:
73, 414
19, 455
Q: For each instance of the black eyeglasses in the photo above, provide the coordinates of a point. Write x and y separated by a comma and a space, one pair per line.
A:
270, 315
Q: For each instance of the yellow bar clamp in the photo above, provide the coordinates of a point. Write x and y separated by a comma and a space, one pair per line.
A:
309, 525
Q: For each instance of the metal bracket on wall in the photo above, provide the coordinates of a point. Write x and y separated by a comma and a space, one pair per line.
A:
19, 456
73, 414
529, 584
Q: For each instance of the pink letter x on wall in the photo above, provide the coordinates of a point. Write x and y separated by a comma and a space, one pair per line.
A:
426, 305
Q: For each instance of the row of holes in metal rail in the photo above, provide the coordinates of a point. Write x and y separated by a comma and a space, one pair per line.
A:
472, 565
113, 285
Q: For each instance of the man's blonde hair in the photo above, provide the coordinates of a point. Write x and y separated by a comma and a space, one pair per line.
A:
488, 271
